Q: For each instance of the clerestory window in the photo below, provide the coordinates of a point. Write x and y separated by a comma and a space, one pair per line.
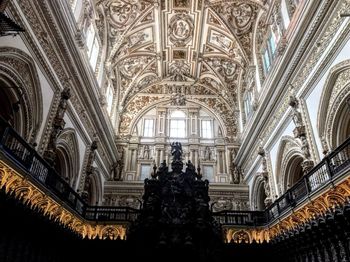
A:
178, 124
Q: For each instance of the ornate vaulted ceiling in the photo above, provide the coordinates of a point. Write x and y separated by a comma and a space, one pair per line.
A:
198, 49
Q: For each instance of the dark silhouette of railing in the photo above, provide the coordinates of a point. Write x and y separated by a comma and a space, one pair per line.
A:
44, 176
15, 148
332, 166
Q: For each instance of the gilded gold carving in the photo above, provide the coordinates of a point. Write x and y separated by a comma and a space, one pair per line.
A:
30, 195
330, 199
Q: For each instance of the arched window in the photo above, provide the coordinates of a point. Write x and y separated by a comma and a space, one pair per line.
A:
178, 124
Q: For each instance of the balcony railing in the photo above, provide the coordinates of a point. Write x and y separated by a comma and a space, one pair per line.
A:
44, 176
331, 167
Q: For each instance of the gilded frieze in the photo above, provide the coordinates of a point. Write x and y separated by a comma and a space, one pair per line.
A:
14, 183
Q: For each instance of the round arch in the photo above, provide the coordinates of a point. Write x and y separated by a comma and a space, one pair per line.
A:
139, 116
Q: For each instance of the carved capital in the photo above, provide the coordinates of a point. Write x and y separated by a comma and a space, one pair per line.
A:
307, 165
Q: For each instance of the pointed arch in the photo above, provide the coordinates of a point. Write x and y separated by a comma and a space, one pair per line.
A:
258, 193
20, 81
67, 162
95, 188
334, 111
289, 159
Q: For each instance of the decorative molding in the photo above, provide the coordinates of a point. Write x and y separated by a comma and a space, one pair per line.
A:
14, 183
332, 198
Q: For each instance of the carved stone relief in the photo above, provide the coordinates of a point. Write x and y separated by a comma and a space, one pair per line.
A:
180, 29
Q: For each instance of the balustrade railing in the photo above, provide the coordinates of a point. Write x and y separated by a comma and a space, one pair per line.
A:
40, 172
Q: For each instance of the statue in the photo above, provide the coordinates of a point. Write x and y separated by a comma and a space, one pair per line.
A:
233, 155
190, 169
118, 166
296, 115
235, 174
176, 151
207, 153
146, 152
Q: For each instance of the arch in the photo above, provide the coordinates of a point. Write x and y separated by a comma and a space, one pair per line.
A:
289, 159
19, 76
258, 193
67, 161
334, 111
147, 108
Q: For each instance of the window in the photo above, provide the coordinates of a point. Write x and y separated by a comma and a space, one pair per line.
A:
109, 98
148, 128
178, 124
247, 103
177, 128
208, 173
92, 46
145, 171
285, 14
266, 59
94, 53
272, 44
207, 129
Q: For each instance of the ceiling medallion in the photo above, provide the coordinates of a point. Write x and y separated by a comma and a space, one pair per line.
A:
180, 29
